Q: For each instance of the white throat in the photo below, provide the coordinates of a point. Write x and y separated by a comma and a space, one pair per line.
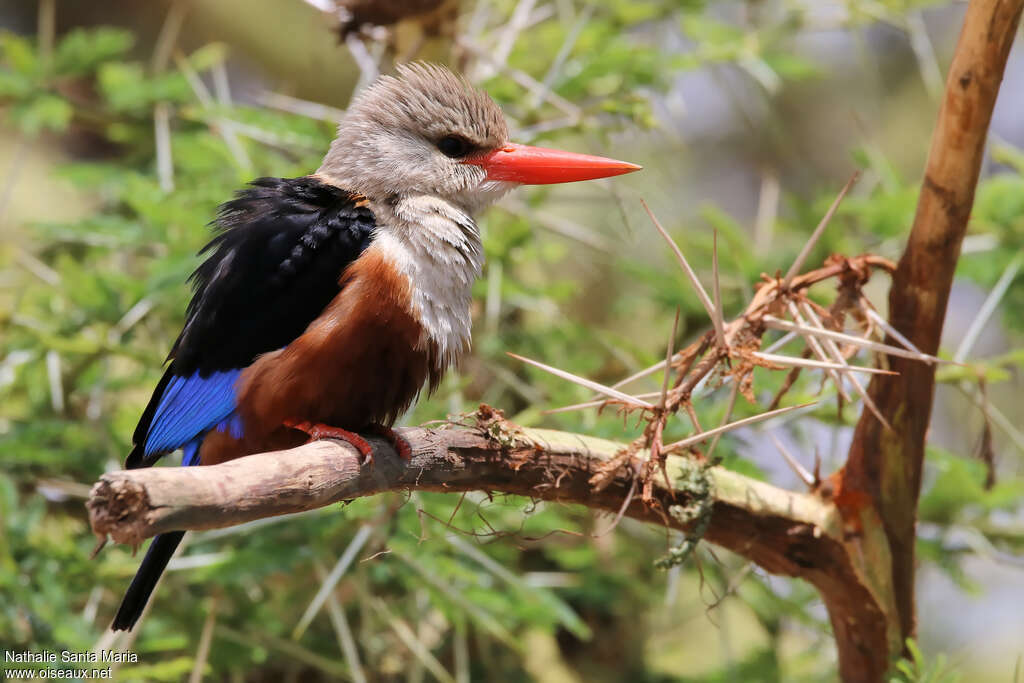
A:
437, 246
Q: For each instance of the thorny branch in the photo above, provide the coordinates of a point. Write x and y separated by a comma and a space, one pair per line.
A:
732, 350
795, 534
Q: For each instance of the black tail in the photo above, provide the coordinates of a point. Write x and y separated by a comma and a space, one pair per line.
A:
153, 565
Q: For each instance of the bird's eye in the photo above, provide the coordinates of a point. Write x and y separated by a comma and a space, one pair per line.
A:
454, 146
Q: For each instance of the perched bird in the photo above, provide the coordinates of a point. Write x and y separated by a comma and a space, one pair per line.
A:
325, 303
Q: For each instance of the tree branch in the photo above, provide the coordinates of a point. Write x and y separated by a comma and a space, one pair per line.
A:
884, 466
795, 534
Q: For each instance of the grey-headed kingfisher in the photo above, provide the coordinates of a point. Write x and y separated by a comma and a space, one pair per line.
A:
325, 303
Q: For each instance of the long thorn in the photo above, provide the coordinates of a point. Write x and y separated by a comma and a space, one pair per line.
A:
988, 308
593, 404
806, 251
698, 287
799, 469
779, 324
838, 355
594, 386
668, 362
884, 324
725, 418
820, 353
792, 361
642, 373
780, 342
703, 436
717, 291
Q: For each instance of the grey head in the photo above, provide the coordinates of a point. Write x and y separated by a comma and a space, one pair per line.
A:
411, 134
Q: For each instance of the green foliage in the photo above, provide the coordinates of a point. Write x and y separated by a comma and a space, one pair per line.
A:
920, 669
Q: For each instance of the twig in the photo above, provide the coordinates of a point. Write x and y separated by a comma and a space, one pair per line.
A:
988, 308
354, 546
761, 522
523, 79
46, 29
294, 105
767, 208
162, 135
346, 643
368, 70
224, 126
205, 639
563, 52
924, 51
55, 381
516, 23
409, 639
168, 35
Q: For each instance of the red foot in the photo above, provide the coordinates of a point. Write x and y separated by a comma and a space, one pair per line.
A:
321, 431
400, 444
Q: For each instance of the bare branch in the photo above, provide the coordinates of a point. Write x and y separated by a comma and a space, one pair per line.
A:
795, 534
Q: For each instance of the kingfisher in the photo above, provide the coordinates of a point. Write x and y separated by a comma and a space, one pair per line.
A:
326, 303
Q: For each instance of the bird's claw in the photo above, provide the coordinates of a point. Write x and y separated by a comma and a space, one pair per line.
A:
318, 431
402, 446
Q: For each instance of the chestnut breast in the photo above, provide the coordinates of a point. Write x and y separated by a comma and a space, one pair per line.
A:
362, 361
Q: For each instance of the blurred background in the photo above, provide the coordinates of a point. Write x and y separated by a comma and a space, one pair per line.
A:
124, 125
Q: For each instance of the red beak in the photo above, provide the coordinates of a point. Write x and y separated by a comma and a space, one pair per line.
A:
543, 166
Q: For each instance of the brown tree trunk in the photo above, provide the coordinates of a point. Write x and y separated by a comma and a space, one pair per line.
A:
886, 464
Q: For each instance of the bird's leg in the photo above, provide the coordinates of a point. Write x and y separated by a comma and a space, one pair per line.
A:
396, 440
319, 431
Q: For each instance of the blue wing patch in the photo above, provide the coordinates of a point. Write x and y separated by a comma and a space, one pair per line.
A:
191, 406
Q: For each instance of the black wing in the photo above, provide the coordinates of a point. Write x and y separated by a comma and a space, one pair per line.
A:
272, 269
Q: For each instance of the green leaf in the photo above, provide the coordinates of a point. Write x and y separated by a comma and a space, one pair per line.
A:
19, 54
128, 89
82, 50
45, 112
